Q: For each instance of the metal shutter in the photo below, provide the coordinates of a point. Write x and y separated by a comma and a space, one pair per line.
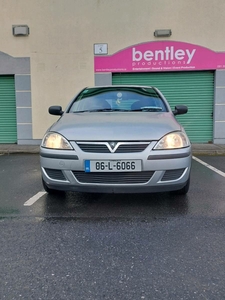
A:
8, 129
194, 89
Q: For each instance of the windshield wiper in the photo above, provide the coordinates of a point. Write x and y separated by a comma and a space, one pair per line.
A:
144, 108
149, 108
101, 110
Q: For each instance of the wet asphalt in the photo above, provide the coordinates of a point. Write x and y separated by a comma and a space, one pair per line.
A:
86, 246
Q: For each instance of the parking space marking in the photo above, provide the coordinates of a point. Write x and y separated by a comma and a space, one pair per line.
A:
209, 166
33, 199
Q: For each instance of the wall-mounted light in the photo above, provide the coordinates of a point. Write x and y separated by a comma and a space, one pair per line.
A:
20, 30
162, 32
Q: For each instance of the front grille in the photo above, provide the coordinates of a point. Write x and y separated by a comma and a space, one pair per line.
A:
94, 148
55, 174
129, 148
114, 177
172, 174
103, 148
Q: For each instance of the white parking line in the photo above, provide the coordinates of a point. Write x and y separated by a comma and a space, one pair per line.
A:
209, 166
33, 199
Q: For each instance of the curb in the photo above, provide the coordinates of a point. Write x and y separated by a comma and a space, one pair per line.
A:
208, 152
20, 150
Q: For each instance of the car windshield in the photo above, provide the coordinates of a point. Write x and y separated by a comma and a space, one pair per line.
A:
126, 99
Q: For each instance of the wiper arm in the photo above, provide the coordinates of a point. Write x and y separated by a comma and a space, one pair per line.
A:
148, 108
118, 109
101, 110
80, 111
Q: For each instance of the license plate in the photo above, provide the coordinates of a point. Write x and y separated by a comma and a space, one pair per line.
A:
112, 165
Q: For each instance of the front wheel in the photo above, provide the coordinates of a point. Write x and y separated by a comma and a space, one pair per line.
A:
184, 189
47, 189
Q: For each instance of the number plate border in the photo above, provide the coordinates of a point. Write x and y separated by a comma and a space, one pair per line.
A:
87, 165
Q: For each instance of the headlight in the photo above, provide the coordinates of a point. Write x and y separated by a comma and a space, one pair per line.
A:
53, 140
174, 140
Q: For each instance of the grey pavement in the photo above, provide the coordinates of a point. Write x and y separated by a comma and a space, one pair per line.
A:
197, 149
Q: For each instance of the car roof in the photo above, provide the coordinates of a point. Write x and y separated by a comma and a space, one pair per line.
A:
121, 85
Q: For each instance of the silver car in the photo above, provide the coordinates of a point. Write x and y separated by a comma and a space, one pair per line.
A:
116, 139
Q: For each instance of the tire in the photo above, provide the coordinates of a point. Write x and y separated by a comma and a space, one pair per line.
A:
184, 190
47, 189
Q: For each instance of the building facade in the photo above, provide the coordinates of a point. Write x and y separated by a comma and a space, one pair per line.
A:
51, 49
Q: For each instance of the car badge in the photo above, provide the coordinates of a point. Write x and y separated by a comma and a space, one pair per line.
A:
112, 145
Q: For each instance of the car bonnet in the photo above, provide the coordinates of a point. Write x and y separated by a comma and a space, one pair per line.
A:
119, 126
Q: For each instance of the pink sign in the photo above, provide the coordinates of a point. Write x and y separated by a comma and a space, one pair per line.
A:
161, 56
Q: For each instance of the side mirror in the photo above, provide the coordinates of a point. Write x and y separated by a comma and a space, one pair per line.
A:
180, 110
55, 110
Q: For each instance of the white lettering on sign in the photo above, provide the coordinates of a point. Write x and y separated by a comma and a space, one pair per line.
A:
168, 54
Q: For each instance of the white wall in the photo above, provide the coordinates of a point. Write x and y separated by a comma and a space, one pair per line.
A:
62, 34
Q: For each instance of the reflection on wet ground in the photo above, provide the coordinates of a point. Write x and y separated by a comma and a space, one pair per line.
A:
114, 206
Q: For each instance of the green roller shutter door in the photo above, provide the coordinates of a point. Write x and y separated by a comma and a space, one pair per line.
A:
8, 130
194, 89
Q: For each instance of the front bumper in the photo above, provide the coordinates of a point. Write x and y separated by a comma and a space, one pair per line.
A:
162, 171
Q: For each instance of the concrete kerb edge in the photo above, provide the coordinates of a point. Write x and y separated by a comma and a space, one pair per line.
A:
208, 152
18, 152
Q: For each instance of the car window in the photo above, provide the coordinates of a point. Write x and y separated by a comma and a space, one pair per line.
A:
118, 99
